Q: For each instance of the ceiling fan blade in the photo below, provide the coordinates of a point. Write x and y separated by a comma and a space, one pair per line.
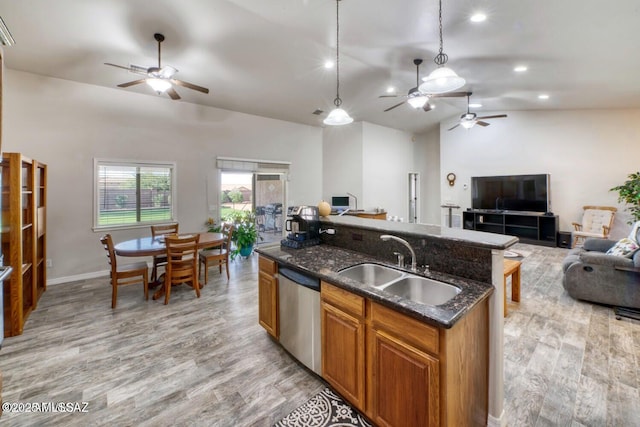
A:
131, 69
449, 95
173, 94
499, 116
190, 85
135, 82
397, 105
390, 96
452, 128
427, 107
481, 123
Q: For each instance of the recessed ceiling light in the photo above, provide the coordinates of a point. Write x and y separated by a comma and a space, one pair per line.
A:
391, 89
476, 105
520, 68
328, 64
478, 17
543, 96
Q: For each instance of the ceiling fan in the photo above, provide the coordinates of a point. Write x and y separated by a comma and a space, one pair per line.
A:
469, 120
418, 99
159, 78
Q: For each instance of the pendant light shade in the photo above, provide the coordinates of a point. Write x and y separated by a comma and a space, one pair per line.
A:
443, 79
338, 116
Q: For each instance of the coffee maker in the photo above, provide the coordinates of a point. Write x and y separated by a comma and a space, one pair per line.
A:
303, 226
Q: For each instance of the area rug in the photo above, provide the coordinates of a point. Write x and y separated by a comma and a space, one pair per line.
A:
325, 409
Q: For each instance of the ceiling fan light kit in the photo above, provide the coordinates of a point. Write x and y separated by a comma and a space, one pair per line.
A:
338, 116
159, 78
418, 101
443, 79
159, 85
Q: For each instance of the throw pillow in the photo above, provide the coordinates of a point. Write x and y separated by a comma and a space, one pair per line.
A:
625, 247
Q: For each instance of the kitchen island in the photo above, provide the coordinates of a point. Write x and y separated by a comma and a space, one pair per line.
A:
398, 361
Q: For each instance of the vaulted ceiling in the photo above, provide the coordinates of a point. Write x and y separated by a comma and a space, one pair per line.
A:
266, 57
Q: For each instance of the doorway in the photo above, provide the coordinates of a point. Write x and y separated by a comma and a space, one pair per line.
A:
243, 193
414, 180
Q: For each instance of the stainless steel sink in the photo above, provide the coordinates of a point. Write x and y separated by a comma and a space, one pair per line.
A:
371, 274
421, 289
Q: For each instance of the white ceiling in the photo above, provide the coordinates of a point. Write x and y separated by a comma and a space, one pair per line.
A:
265, 57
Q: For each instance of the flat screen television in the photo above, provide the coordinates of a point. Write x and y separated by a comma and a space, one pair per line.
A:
529, 193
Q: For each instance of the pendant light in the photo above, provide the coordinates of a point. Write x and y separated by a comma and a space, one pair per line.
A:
442, 79
338, 116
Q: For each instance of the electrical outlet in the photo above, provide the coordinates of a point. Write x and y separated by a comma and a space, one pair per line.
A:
49, 263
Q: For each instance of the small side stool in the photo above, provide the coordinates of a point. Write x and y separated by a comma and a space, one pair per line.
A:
511, 268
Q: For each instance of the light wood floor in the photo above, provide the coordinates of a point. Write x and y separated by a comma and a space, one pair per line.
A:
207, 361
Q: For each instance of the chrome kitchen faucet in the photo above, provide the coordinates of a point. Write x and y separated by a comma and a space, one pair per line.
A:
387, 237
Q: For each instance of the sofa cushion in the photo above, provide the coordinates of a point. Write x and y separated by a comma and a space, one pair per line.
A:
599, 245
625, 247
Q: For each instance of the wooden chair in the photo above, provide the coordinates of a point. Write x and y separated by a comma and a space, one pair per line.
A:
161, 260
182, 263
596, 222
219, 255
126, 274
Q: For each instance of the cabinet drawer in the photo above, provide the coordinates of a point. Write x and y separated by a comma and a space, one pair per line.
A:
412, 331
267, 265
351, 303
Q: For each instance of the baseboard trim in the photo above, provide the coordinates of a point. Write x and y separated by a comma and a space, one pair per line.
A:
497, 422
78, 277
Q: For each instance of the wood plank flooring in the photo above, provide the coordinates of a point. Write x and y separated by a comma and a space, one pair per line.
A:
207, 362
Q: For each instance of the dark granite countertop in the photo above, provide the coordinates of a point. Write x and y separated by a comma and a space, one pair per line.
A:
467, 237
324, 261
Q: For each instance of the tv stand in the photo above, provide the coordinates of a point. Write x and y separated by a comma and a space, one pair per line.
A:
529, 227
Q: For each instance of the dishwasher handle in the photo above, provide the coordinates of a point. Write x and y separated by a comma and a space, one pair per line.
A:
300, 278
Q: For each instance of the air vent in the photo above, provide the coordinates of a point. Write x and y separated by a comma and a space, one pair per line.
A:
318, 112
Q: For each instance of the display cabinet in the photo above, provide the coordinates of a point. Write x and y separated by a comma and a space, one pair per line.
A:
23, 237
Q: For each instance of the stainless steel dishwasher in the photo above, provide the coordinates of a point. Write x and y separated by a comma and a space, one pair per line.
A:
299, 305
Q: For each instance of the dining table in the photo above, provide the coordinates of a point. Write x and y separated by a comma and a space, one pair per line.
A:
149, 246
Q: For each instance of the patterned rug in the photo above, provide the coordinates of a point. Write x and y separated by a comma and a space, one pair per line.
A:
325, 409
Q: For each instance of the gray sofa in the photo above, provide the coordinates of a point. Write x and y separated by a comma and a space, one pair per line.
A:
591, 275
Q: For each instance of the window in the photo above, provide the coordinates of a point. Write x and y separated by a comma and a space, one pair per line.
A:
133, 193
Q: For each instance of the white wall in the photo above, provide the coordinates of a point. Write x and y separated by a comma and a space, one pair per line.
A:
66, 124
342, 161
427, 163
387, 161
370, 161
587, 152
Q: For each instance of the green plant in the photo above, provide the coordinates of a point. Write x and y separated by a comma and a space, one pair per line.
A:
245, 233
629, 193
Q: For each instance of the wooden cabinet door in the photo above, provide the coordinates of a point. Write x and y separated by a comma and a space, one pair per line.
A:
268, 303
405, 384
343, 364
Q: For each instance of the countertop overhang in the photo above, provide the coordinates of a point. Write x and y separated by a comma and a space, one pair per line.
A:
324, 261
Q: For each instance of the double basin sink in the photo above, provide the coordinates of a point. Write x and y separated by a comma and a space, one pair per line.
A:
402, 284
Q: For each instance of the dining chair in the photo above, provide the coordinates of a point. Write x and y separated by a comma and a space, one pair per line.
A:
182, 263
219, 255
125, 274
161, 260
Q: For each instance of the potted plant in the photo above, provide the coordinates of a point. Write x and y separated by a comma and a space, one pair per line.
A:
629, 193
245, 235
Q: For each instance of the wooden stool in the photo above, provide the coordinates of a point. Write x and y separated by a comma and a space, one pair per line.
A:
511, 268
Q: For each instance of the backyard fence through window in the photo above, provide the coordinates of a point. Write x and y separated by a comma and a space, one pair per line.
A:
133, 193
